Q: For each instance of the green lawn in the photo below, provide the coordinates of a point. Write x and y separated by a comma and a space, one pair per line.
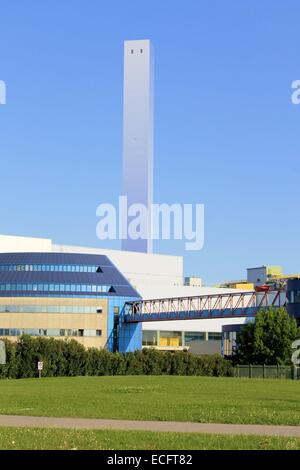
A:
200, 399
62, 439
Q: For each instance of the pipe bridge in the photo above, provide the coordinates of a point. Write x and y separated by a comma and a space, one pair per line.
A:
230, 305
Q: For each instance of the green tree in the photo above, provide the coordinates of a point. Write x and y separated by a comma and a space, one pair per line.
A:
269, 339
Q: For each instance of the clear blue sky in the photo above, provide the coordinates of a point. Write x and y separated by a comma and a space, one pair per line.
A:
226, 132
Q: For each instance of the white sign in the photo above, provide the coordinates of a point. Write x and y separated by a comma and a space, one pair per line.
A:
40, 365
296, 354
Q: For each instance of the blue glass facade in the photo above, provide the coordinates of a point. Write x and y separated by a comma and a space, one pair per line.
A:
65, 275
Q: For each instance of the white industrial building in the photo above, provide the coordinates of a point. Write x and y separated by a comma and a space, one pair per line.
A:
154, 276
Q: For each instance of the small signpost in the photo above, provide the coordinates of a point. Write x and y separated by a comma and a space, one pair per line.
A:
40, 368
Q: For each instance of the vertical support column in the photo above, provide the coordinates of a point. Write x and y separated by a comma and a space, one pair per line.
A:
158, 338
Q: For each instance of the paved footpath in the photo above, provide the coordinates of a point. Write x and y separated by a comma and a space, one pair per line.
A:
162, 426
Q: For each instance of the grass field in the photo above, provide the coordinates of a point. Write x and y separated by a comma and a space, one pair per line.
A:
199, 399
61, 439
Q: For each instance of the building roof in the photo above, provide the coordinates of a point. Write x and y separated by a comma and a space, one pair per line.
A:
108, 275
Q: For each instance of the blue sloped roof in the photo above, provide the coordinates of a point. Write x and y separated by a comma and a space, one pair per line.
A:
54, 258
110, 275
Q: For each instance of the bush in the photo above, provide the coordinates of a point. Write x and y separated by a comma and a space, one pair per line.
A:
69, 358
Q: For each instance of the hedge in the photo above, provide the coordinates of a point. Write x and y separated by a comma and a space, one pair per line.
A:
69, 358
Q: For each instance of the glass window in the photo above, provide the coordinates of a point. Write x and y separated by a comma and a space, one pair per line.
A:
214, 336
170, 338
149, 338
190, 336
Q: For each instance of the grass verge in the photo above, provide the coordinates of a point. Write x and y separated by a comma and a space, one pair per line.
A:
62, 439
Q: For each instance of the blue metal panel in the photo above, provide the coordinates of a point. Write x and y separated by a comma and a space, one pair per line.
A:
130, 334
54, 258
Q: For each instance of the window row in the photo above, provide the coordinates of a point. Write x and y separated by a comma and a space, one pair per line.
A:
176, 338
49, 332
65, 268
55, 288
49, 309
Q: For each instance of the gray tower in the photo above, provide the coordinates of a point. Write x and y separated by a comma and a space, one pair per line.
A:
138, 134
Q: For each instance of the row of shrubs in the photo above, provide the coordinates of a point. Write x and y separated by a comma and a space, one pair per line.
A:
69, 358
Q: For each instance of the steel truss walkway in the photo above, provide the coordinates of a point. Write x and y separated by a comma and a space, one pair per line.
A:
233, 305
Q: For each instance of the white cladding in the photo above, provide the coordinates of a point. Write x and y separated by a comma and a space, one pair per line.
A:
12, 244
141, 269
212, 326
